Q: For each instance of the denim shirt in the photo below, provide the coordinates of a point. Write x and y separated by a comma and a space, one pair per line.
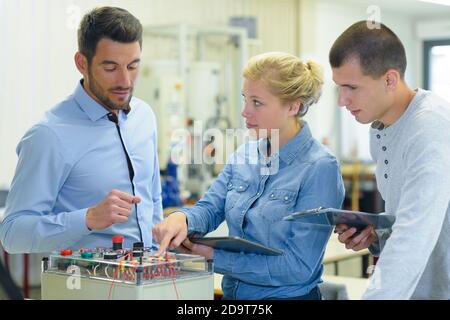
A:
253, 201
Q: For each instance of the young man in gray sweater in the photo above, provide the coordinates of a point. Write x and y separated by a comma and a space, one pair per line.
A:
410, 143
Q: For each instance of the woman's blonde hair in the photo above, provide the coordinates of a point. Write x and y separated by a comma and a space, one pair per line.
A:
287, 77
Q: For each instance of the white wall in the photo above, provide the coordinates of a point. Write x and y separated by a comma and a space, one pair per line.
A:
37, 48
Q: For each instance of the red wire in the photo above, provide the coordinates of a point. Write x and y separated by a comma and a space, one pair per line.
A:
112, 283
116, 271
173, 279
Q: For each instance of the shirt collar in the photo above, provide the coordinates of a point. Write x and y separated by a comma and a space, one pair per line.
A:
415, 101
92, 108
293, 148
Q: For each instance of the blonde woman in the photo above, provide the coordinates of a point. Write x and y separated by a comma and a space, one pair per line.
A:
278, 90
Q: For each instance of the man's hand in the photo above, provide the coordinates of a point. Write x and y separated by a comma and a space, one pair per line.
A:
114, 208
171, 232
357, 242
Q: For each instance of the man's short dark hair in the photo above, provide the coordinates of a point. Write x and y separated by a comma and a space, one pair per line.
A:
377, 49
112, 23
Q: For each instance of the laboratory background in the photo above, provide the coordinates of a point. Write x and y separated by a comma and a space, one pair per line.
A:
191, 76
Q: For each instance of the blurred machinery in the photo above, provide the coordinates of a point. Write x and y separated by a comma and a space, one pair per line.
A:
170, 186
191, 76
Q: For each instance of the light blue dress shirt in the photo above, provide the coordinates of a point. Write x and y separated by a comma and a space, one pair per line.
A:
69, 162
254, 201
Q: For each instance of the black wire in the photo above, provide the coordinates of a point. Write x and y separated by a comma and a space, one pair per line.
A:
8, 285
113, 118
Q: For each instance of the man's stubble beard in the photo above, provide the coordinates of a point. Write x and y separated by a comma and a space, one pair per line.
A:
96, 90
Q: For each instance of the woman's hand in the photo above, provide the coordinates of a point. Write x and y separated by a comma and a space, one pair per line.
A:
194, 248
171, 232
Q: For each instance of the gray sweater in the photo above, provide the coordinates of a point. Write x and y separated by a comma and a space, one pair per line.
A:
413, 177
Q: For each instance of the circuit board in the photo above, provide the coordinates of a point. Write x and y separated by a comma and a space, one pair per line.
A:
120, 267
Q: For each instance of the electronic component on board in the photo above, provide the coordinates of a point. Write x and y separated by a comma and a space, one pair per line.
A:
125, 273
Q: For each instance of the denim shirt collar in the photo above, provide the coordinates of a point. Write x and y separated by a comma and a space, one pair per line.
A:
293, 148
92, 108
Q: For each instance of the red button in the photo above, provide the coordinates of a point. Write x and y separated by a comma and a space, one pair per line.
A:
117, 239
66, 252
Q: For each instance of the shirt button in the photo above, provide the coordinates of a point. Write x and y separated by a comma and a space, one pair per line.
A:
272, 195
230, 185
258, 194
286, 198
243, 211
384, 148
385, 175
385, 161
378, 136
241, 187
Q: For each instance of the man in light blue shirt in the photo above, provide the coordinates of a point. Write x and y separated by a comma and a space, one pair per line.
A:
89, 170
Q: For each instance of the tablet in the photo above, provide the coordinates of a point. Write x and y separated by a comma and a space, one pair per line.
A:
332, 217
236, 244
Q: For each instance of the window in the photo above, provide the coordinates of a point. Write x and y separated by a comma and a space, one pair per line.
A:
436, 62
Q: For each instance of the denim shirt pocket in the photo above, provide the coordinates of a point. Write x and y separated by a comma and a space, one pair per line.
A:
236, 188
280, 202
